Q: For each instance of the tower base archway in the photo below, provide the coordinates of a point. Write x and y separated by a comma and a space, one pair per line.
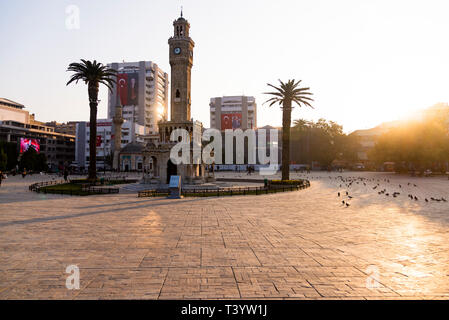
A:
172, 170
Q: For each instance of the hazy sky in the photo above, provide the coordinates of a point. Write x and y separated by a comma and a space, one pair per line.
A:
365, 61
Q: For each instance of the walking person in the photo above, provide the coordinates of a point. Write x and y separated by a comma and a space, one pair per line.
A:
1, 178
66, 174
24, 173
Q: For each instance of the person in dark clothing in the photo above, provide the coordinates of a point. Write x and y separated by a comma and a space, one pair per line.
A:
66, 174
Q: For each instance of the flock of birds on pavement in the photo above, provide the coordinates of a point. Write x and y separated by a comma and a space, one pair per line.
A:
381, 186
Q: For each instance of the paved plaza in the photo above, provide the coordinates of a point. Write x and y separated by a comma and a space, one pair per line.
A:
299, 245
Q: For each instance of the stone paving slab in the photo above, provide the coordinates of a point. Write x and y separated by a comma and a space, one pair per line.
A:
294, 245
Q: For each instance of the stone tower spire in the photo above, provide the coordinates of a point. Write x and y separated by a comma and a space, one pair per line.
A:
181, 61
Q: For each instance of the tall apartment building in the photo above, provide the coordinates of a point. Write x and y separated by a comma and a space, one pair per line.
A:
131, 133
233, 112
143, 91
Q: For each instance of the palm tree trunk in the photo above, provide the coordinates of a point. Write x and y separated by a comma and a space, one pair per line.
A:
286, 122
93, 98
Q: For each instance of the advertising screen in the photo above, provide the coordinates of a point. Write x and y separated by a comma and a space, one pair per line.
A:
26, 143
128, 88
231, 121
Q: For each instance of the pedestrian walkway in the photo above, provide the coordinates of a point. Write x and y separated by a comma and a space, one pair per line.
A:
295, 245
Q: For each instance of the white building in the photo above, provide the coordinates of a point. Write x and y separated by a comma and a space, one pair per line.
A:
131, 133
10, 110
233, 112
143, 90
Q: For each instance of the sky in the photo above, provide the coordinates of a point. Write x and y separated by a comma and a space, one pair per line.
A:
366, 61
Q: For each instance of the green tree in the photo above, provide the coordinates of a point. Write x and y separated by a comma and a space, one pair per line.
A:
92, 73
349, 146
41, 162
3, 160
10, 148
416, 145
286, 95
322, 141
33, 161
28, 160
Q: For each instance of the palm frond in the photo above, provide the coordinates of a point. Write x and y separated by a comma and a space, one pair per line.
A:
276, 101
290, 92
92, 72
276, 88
278, 94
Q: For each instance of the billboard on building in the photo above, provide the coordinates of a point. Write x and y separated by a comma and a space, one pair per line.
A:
26, 143
133, 88
122, 88
231, 121
128, 88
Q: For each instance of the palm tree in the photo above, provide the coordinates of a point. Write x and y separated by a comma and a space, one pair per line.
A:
92, 73
287, 94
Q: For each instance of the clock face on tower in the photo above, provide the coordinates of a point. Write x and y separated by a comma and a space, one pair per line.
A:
177, 50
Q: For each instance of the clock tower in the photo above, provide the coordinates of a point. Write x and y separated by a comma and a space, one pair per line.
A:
158, 151
181, 61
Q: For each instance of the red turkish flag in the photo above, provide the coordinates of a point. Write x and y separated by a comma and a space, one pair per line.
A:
122, 88
99, 141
